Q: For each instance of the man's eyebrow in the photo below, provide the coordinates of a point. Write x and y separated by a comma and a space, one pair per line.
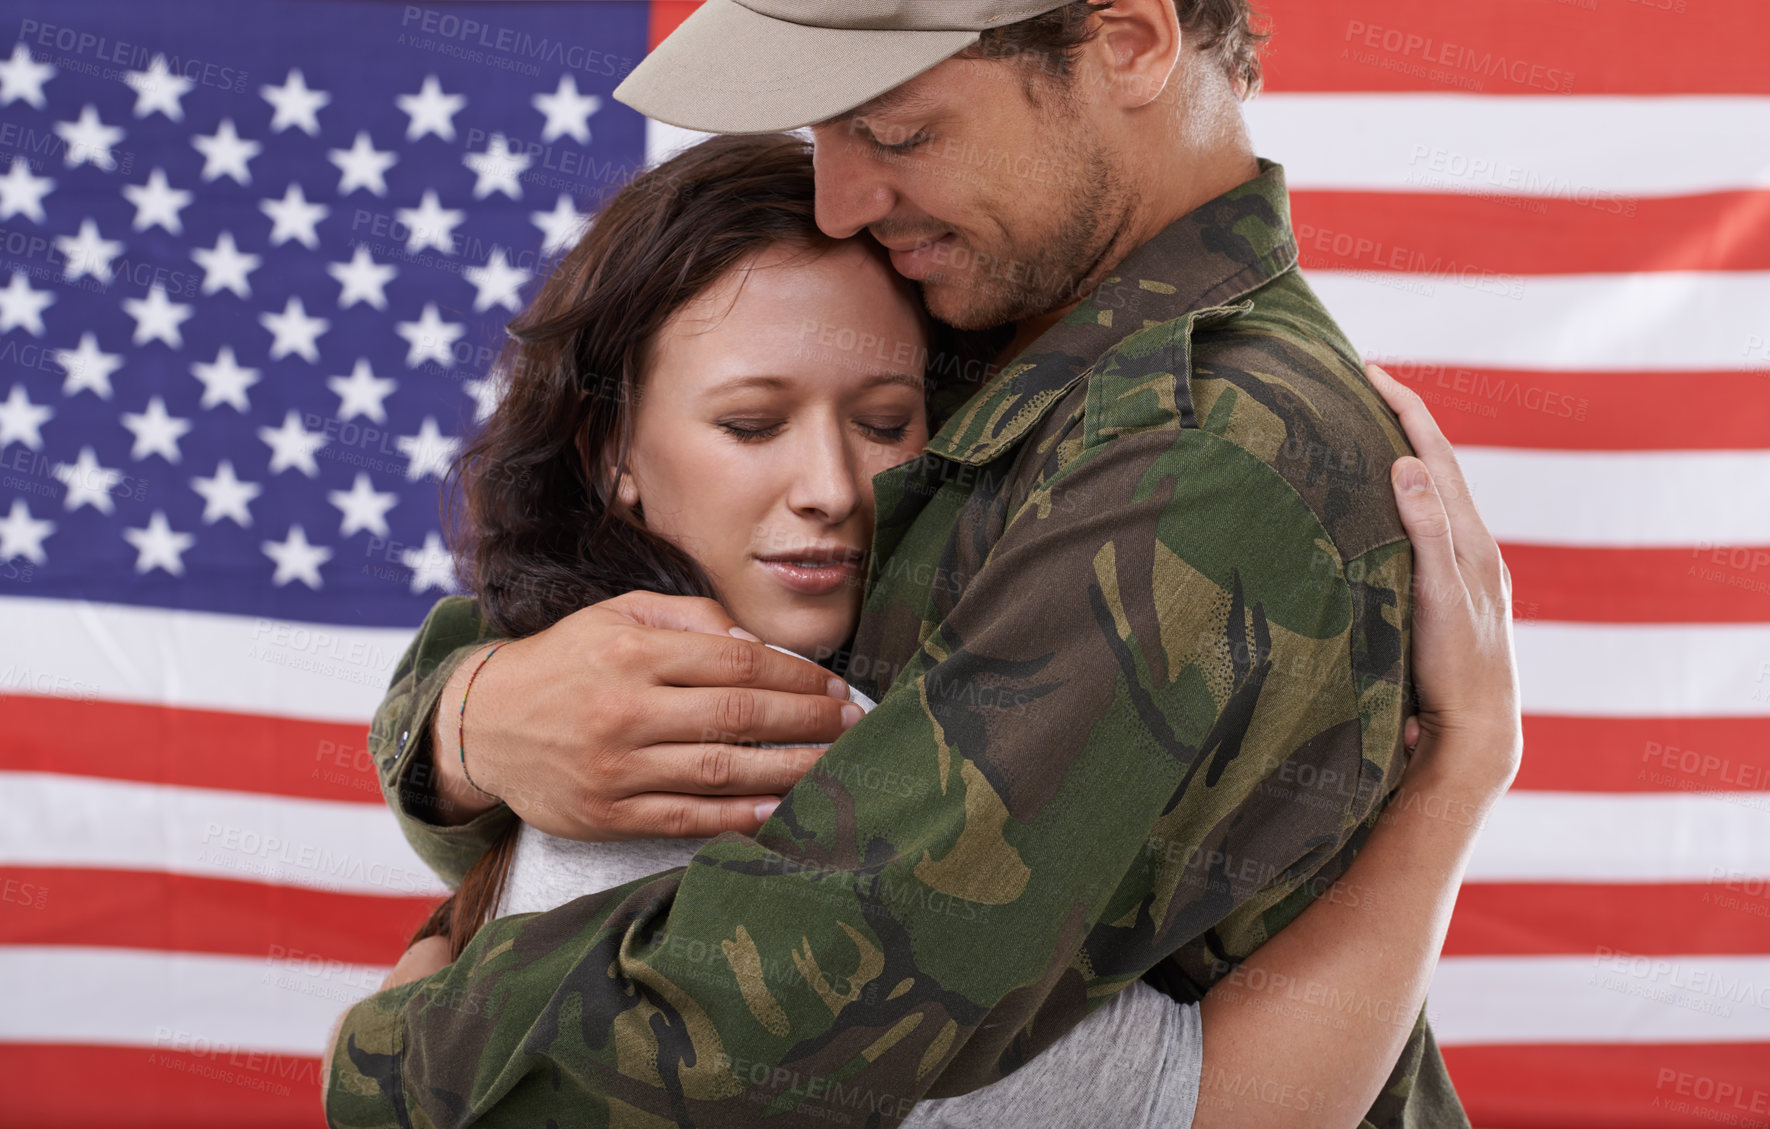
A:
895, 100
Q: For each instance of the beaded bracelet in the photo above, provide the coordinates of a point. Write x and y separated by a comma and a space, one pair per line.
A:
462, 729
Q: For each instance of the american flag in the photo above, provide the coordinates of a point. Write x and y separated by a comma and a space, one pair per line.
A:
252, 274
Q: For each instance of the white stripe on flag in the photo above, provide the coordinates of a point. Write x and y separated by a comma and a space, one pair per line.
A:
1644, 669
51, 820
1574, 148
196, 1003
1661, 321
1603, 997
200, 660
1625, 499
1624, 837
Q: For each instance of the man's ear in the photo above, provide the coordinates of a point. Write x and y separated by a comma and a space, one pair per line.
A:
1141, 41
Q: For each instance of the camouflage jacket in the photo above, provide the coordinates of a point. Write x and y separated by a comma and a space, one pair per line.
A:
1137, 622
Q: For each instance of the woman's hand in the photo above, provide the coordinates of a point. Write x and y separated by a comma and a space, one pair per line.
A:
1463, 666
424, 957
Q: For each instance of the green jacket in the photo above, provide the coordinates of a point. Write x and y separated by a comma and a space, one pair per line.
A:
1138, 627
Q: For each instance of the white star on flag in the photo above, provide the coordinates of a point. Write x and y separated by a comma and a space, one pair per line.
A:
225, 153
293, 217
158, 89
21, 535
496, 283
296, 559
225, 496
295, 105
157, 202
362, 166
431, 564
88, 483
225, 381
431, 111
430, 338
363, 507
362, 393
23, 77
156, 432
21, 193
362, 279
88, 140
294, 331
429, 453
158, 546
157, 317
225, 266
22, 307
87, 253
292, 446
430, 225
567, 111
486, 393
21, 421
498, 168
88, 367
561, 227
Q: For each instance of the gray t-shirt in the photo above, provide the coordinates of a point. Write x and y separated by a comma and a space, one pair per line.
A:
1135, 1061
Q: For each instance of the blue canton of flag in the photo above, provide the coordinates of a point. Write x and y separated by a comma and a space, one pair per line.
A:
255, 271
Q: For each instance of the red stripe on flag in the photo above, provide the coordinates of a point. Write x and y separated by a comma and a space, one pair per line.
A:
1519, 46
1729, 917
64, 1086
191, 748
1614, 1086
1645, 754
1441, 232
1594, 411
145, 909
1694, 585
666, 17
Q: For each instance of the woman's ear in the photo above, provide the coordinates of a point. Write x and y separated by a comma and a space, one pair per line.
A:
627, 490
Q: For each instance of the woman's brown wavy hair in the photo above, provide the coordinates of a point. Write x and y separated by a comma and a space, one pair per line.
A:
537, 528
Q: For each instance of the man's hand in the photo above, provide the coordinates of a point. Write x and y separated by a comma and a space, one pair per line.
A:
623, 721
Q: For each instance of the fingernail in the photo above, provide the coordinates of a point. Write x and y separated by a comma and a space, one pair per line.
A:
1414, 481
765, 808
850, 714
740, 633
836, 688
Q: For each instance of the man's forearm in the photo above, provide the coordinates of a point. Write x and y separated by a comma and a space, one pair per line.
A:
402, 742
456, 801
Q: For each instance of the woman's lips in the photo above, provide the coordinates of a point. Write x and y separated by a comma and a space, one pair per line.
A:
814, 578
923, 260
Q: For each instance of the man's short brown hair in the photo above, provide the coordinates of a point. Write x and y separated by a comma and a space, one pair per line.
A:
1226, 30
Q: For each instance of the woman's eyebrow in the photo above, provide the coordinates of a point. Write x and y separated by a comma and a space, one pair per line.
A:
765, 380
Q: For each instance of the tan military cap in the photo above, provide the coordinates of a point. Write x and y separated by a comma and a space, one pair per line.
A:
755, 66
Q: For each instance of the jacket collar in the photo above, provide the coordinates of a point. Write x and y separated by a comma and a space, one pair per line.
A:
1209, 257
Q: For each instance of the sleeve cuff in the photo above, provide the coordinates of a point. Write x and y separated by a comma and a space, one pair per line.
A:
365, 1087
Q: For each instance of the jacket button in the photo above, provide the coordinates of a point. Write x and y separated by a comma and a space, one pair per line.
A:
401, 747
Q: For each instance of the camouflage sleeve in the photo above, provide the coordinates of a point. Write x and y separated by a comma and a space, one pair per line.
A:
400, 741
1110, 746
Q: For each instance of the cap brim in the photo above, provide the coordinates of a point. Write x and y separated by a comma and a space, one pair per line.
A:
728, 69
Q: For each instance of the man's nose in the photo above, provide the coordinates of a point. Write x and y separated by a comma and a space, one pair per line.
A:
852, 189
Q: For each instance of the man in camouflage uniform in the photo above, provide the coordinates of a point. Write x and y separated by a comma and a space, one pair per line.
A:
1138, 627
